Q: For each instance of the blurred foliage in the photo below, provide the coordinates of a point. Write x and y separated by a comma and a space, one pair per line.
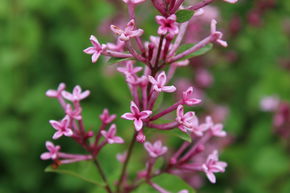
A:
41, 44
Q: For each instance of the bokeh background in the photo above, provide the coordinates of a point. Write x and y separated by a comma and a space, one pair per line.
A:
41, 44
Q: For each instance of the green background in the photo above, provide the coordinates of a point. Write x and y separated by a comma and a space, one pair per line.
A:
41, 44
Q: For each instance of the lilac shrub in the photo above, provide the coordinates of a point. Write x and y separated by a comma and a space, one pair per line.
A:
148, 68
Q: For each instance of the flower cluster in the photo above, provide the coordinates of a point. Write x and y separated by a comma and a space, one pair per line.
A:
160, 57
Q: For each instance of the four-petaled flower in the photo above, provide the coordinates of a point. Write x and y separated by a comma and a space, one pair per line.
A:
159, 83
156, 149
128, 32
110, 135
188, 99
137, 116
106, 117
96, 49
134, 2
56, 93
216, 129
129, 68
213, 165
61, 127
167, 25
76, 95
187, 121
217, 35
52, 151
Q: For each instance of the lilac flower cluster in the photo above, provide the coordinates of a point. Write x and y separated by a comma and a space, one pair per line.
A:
159, 59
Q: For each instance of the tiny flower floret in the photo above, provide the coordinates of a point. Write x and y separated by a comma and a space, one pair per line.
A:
76, 95
106, 117
156, 149
216, 129
111, 135
96, 49
137, 116
56, 93
134, 2
61, 127
52, 151
217, 35
159, 83
128, 32
167, 25
188, 99
213, 165
129, 68
187, 121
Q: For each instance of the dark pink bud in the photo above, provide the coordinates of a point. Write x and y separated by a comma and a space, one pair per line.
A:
160, 6
140, 137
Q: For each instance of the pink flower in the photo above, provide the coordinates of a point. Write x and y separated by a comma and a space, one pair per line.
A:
231, 1
155, 150
270, 103
213, 165
129, 31
216, 35
61, 127
159, 83
74, 114
96, 49
167, 25
187, 121
188, 99
216, 129
56, 93
106, 117
134, 2
52, 151
129, 68
76, 95
111, 135
137, 116
121, 157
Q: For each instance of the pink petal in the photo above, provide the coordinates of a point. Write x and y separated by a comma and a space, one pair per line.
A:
213, 26
95, 57
160, 19
118, 139
145, 114
138, 124
131, 25
179, 111
128, 116
85, 94
49, 145
112, 130
51, 93
45, 156
148, 146
136, 33
89, 50
104, 133
152, 80
161, 79
222, 43
56, 125
68, 132
211, 177
94, 41
57, 135
134, 109
169, 89
67, 95
231, 1
116, 30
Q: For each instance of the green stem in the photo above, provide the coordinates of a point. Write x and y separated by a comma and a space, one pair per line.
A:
130, 149
107, 186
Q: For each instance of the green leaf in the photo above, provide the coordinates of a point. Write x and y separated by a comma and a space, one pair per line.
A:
169, 182
84, 170
199, 52
113, 60
183, 15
